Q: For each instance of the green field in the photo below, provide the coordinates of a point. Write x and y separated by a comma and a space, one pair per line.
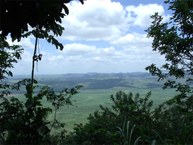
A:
97, 90
87, 101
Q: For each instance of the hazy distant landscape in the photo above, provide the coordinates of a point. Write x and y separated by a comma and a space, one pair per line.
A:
97, 88
97, 81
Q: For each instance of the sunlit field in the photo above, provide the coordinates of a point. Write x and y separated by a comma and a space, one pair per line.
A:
91, 95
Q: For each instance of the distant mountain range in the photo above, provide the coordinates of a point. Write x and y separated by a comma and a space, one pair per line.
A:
96, 80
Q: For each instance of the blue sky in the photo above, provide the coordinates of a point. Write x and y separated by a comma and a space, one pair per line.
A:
100, 36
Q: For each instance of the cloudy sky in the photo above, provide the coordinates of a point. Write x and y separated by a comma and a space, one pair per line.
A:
100, 36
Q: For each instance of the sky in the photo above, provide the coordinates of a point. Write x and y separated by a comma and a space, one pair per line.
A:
104, 36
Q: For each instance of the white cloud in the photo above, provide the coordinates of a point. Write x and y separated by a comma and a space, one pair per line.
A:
78, 49
140, 15
95, 20
80, 58
24, 65
133, 39
124, 48
26, 43
138, 47
106, 20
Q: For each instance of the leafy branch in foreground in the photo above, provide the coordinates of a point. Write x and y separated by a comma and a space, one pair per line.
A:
25, 122
47, 14
167, 124
8, 56
126, 132
58, 100
102, 124
173, 39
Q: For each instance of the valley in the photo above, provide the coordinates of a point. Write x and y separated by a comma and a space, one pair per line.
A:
96, 91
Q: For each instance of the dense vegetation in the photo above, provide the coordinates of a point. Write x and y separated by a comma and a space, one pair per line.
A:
46, 15
25, 122
131, 118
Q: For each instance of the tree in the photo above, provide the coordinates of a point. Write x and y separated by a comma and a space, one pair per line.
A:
25, 122
108, 125
43, 16
16, 16
174, 40
8, 56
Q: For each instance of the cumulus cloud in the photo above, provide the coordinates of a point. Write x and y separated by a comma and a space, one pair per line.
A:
140, 15
79, 57
25, 42
106, 19
120, 30
95, 20
24, 65
133, 39
78, 49
138, 47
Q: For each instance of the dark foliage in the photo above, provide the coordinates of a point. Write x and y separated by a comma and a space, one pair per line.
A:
8, 56
17, 15
174, 120
169, 124
174, 40
25, 122
102, 127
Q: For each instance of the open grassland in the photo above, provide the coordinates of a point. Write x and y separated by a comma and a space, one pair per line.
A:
97, 90
88, 101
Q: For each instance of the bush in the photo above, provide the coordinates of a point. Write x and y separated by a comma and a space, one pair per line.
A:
25, 122
102, 126
170, 123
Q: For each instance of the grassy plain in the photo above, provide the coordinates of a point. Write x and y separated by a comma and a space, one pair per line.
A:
88, 101
97, 90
